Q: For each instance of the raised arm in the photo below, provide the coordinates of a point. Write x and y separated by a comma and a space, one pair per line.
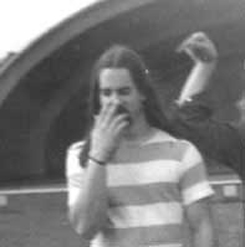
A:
191, 117
203, 53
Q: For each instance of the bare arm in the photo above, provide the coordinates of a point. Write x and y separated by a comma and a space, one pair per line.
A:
196, 192
87, 213
193, 121
88, 206
200, 220
204, 55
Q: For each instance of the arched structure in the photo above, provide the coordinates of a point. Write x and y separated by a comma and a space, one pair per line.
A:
43, 90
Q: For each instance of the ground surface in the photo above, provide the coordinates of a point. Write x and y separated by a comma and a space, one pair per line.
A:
39, 220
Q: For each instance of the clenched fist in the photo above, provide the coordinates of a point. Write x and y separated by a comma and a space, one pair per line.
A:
199, 47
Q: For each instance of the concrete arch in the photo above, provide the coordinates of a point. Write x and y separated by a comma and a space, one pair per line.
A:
55, 68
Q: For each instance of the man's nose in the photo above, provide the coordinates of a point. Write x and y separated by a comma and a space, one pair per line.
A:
115, 99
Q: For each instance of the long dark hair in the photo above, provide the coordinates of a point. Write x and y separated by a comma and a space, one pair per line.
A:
120, 56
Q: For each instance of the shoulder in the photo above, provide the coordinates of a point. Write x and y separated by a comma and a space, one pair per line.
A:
179, 148
161, 136
187, 153
164, 137
186, 146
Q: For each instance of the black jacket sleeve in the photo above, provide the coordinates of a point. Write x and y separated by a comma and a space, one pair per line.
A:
220, 141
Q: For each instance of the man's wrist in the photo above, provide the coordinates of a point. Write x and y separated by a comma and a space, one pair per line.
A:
206, 65
96, 160
181, 102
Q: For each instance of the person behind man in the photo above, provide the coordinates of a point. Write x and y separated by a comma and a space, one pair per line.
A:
192, 117
130, 182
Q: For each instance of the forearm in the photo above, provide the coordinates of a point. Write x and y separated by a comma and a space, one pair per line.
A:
89, 210
200, 220
197, 81
203, 236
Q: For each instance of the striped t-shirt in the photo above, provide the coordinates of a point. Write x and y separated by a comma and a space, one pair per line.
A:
149, 186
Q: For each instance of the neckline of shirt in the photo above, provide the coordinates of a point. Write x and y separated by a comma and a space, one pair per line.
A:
154, 136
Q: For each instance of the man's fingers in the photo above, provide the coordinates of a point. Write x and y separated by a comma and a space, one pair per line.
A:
196, 39
120, 125
181, 48
117, 120
110, 112
106, 113
199, 36
199, 47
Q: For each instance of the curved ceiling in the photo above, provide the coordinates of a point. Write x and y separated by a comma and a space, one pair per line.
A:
140, 23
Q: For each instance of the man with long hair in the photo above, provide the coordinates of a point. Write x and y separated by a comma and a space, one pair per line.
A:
131, 182
192, 118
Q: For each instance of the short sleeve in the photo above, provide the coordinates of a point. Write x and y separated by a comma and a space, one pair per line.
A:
74, 172
194, 183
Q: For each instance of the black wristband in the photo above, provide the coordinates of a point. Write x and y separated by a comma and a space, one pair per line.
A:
99, 162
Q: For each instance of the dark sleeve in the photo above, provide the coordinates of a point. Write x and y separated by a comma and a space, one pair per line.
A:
220, 141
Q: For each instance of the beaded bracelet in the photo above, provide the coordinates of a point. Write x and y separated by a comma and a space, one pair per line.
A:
99, 162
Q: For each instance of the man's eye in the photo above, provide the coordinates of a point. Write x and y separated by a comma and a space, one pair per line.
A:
125, 91
105, 92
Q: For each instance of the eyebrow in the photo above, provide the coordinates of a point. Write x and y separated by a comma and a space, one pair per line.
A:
119, 88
